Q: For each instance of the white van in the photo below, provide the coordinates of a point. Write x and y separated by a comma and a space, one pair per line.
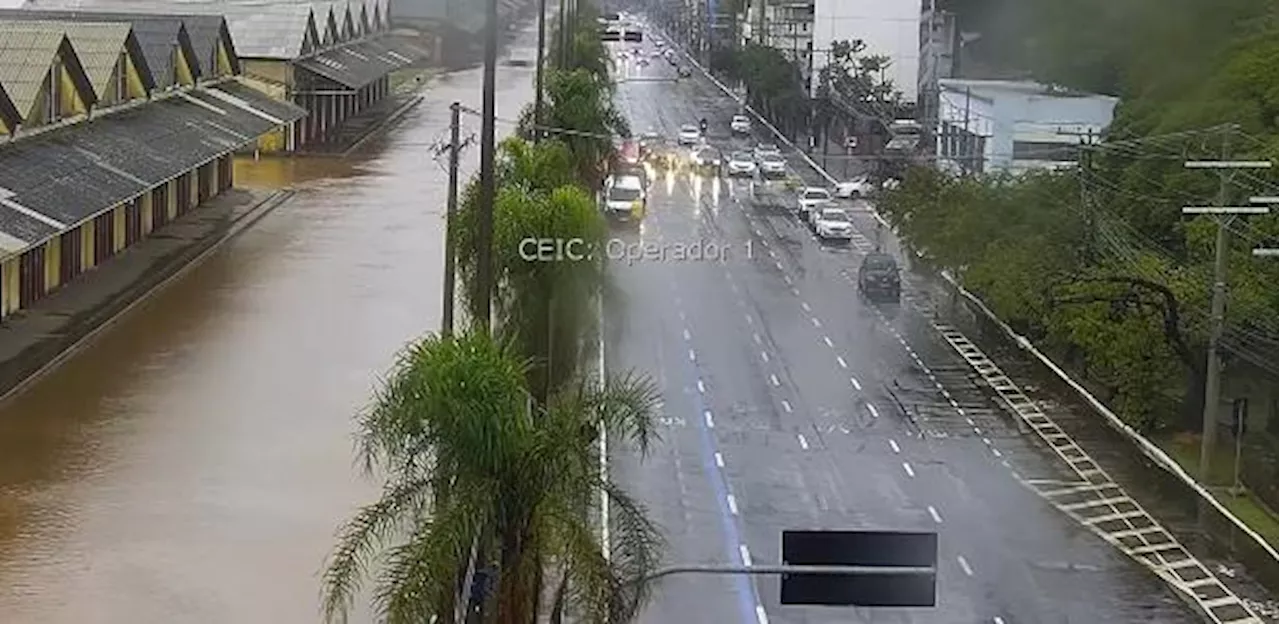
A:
624, 197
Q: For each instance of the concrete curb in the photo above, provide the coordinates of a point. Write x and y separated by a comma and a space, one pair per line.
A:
177, 269
1157, 455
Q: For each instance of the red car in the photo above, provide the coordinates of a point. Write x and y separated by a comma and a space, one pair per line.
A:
629, 153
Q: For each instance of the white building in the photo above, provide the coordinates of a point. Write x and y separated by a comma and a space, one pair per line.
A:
999, 125
804, 31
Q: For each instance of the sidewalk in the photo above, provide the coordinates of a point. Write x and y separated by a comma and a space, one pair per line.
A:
35, 339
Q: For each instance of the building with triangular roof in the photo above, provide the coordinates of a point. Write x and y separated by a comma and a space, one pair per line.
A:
42, 74
164, 41
75, 192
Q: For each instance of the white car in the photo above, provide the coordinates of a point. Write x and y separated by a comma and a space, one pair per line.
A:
811, 198
741, 164
624, 197
740, 124
765, 149
832, 224
773, 165
689, 135
855, 189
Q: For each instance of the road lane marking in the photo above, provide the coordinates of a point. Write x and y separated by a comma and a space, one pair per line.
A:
875, 413
795, 291
935, 515
804, 444
997, 620
777, 264
995, 451
907, 467
749, 320
894, 445
816, 322
964, 565
843, 364
761, 616
711, 424
773, 379
856, 385
719, 460
693, 357
733, 503
786, 278
756, 337
764, 356
745, 554
805, 305
786, 406
701, 388
827, 339
687, 335
986, 441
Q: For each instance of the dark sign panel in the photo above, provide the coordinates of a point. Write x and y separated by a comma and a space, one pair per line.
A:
860, 548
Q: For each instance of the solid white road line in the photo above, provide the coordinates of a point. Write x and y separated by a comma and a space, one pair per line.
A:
875, 413
761, 616
719, 460
894, 445
733, 503
786, 406
804, 444
964, 565
745, 554
934, 513
907, 467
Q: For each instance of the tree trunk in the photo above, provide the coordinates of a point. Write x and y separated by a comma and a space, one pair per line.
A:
557, 607
514, 598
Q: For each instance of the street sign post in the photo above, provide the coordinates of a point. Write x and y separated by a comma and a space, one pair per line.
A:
894, 549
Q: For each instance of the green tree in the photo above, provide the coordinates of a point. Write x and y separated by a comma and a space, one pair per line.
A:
466, 454
581, 114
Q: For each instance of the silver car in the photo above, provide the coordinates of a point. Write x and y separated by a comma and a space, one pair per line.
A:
773, 165
741, 164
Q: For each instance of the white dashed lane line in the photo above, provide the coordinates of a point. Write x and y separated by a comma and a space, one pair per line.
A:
894, 445
827, 339
687, 336
702, 388
693, 357
786, 406
745, 554
719, 460
841, 362
711, 423
935, 515
756, 338
875, 413
733, 503
856, 385
761, 616
773, 379
805, 305
964, 565
816, 322
907, 467
764, 355
804, 444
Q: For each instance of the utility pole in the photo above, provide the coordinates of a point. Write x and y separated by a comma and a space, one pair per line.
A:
1223, 215
446, 317
488, 184
537, 76
1084, 160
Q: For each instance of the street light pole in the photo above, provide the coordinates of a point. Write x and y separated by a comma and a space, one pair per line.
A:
1223, 215
537, 76
488, 184
446, 317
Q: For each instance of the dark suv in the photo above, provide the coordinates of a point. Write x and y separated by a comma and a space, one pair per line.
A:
878, 278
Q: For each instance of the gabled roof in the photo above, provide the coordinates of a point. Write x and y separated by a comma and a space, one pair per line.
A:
361, 14
326, 23
346, 27
375, 22
98, 46
156, 34
26, 56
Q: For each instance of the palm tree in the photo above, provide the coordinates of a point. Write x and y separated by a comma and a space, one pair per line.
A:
544, 307
465, 453
580, 113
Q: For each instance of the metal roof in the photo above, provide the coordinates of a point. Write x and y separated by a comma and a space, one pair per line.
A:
69, 175
9, 114
156, 35
354, 65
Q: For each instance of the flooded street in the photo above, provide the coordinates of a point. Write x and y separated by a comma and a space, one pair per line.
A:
192, 465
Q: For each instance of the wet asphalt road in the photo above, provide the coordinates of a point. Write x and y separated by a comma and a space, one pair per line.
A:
192, 466
791, 403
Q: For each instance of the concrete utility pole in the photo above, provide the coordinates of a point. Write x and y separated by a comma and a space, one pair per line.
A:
488, 184
1223, 214
455, 122
537, 76
1084, 158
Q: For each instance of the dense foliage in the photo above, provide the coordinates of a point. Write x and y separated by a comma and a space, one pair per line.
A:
1098, 264
491, 441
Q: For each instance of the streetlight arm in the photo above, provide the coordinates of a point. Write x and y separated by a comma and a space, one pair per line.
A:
787, 569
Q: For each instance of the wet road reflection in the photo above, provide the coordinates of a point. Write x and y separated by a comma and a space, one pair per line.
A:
192, 465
